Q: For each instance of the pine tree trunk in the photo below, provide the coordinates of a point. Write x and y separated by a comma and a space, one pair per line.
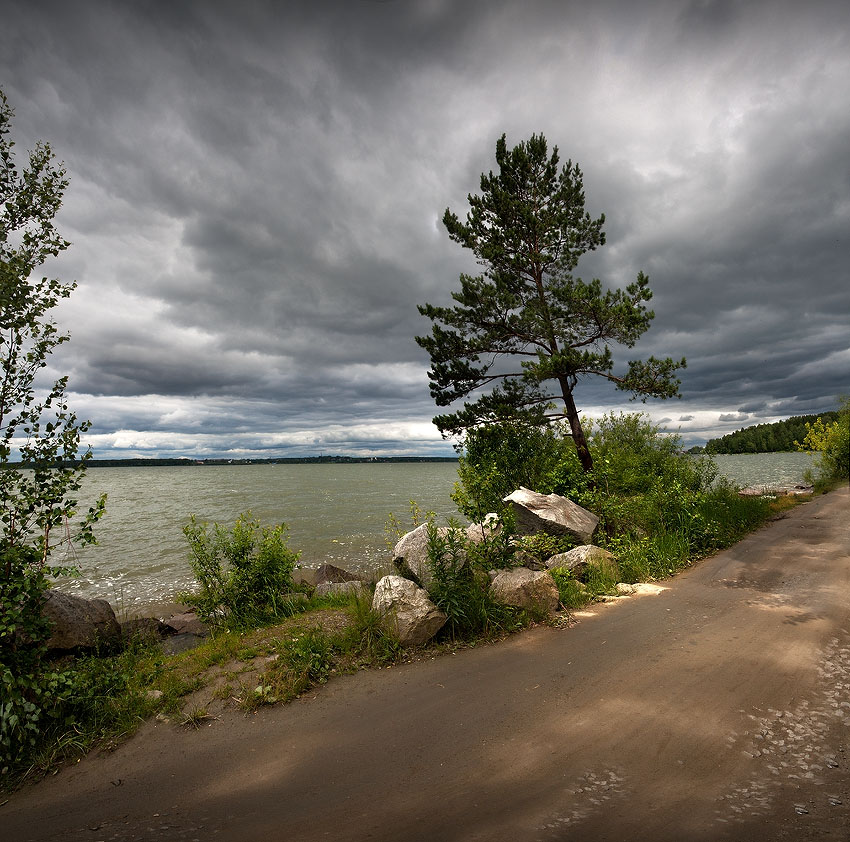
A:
576, 429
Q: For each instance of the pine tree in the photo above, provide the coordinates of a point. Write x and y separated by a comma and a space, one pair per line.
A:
525, 332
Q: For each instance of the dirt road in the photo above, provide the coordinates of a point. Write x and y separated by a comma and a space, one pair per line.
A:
718, 709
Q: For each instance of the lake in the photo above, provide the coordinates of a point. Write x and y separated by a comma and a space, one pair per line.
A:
336, 513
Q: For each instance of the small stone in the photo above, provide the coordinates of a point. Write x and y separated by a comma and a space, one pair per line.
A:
800, 810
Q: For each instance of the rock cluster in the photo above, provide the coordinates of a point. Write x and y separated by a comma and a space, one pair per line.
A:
402, 600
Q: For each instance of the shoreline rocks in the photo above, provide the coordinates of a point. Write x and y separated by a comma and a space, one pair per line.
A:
402, 600
533, 590
552, 514
407, 610
79, 623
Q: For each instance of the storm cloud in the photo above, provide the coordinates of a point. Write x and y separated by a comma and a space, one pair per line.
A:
256, 192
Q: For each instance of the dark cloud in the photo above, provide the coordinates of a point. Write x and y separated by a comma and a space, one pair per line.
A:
738, 418
256, 193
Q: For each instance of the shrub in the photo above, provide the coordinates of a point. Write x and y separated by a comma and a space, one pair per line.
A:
571, 592
242, 573
460, 584
499, 458
832, 443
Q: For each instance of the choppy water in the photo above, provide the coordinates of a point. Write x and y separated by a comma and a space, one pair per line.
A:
764, 468
335, 513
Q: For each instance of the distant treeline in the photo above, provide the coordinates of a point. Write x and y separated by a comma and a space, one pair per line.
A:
283, 460
291, 460
768, 438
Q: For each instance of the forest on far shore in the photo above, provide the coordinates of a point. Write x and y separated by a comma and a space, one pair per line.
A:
768, 438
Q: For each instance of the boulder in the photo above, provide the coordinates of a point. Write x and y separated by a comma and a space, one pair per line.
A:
351, 587
188, 623
410, 555
312, 577
530, 589
146, 629
79, 623
490, 527
578, 559
407, 610
552, 514
336, 575
305, 576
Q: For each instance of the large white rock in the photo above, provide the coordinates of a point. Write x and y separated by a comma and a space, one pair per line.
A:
530, 589
552, 514
490, 527
578, 559
407, 610
410, 554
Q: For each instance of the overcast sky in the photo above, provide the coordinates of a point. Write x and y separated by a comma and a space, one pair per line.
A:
256, 192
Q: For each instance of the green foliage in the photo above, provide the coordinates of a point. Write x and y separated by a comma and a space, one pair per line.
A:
242, 573
525, 332
831, 440
498, 458
38, 495
572, 593
543, 546
460, 581
659, 508
777, 437
369, 633
635, 456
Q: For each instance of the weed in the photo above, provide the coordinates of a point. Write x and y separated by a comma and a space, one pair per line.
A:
242, 573
195, 717
572, 593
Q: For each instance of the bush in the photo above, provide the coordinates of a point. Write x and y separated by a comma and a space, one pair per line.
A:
499, 458
242, 573
571, 592
832, 443
460, 585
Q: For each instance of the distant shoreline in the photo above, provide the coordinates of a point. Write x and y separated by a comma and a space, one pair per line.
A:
281, 460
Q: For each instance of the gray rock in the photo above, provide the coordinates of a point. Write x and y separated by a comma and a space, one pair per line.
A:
490, 527
79, 623
530, 589
625, 589
552, 514
410, 555
188, 623
355, 588
577, 560
145, 628
329, 573
407, 610
305, 576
